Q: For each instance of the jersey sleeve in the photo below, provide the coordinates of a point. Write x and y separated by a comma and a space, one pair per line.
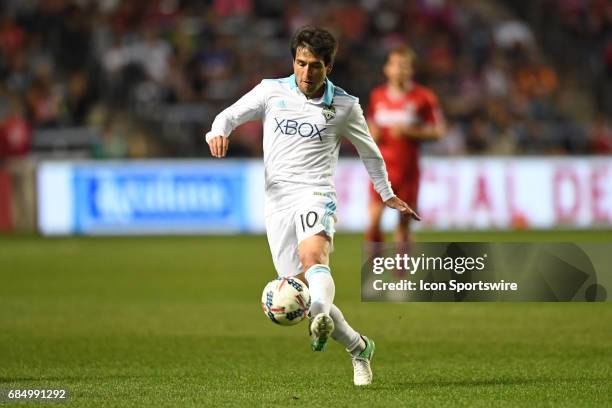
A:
356, 131
249, 107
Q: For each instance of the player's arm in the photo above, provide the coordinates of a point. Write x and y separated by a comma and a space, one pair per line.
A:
421, 132
432, 125
356, 131
374, 128
249, 107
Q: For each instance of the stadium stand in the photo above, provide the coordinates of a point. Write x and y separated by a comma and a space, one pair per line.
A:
144, 78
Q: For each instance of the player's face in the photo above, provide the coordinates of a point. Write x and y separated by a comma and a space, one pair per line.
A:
310, 72
398, 68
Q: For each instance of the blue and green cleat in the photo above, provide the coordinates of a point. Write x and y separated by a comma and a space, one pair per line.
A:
321, 327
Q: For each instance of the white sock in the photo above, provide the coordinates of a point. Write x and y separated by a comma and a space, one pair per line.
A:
345, 334
322, 289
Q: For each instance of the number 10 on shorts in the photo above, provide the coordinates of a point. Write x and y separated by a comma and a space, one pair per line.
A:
309, 220
315, 219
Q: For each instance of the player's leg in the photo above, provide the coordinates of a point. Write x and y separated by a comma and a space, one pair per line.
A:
314, 257
315, 246
403, 237
375, 211
280, 230
403, 233
327, 319
359, 347
315, 222
314, 253
344, 333
403, 242
408, 192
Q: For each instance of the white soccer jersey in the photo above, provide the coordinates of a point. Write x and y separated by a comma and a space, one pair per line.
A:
301, 138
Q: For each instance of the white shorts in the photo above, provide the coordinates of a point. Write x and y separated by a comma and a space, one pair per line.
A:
288, 227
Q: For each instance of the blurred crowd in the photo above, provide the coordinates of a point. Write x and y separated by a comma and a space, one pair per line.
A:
149, 75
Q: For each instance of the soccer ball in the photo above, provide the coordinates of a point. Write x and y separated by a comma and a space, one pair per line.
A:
286, 301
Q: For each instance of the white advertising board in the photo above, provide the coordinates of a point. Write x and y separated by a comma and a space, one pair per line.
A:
165, 197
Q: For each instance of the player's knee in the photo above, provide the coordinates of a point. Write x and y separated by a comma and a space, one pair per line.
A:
314, 250
310, 258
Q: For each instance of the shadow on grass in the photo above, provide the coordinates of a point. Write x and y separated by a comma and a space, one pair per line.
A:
6, 380
482, 383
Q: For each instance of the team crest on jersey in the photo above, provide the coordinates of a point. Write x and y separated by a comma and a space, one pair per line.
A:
329, 112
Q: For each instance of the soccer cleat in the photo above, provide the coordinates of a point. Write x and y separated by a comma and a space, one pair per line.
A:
321, 327
362, 372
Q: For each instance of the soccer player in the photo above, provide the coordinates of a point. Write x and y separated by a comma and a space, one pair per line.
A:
304, 116
401, 115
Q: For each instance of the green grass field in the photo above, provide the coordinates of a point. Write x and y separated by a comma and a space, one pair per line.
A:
176, 322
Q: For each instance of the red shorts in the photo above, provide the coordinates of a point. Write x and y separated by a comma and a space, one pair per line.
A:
406, 187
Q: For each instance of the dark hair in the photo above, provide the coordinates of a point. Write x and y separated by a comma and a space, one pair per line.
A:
318, 41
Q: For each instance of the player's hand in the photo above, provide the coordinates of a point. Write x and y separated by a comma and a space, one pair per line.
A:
397, 131
402, 207
218, 146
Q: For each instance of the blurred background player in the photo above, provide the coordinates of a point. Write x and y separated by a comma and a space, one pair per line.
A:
401, 115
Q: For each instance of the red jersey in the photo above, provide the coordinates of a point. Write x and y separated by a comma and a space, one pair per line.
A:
417, 106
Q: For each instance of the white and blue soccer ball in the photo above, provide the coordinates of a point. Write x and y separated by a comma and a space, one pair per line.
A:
286, 301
